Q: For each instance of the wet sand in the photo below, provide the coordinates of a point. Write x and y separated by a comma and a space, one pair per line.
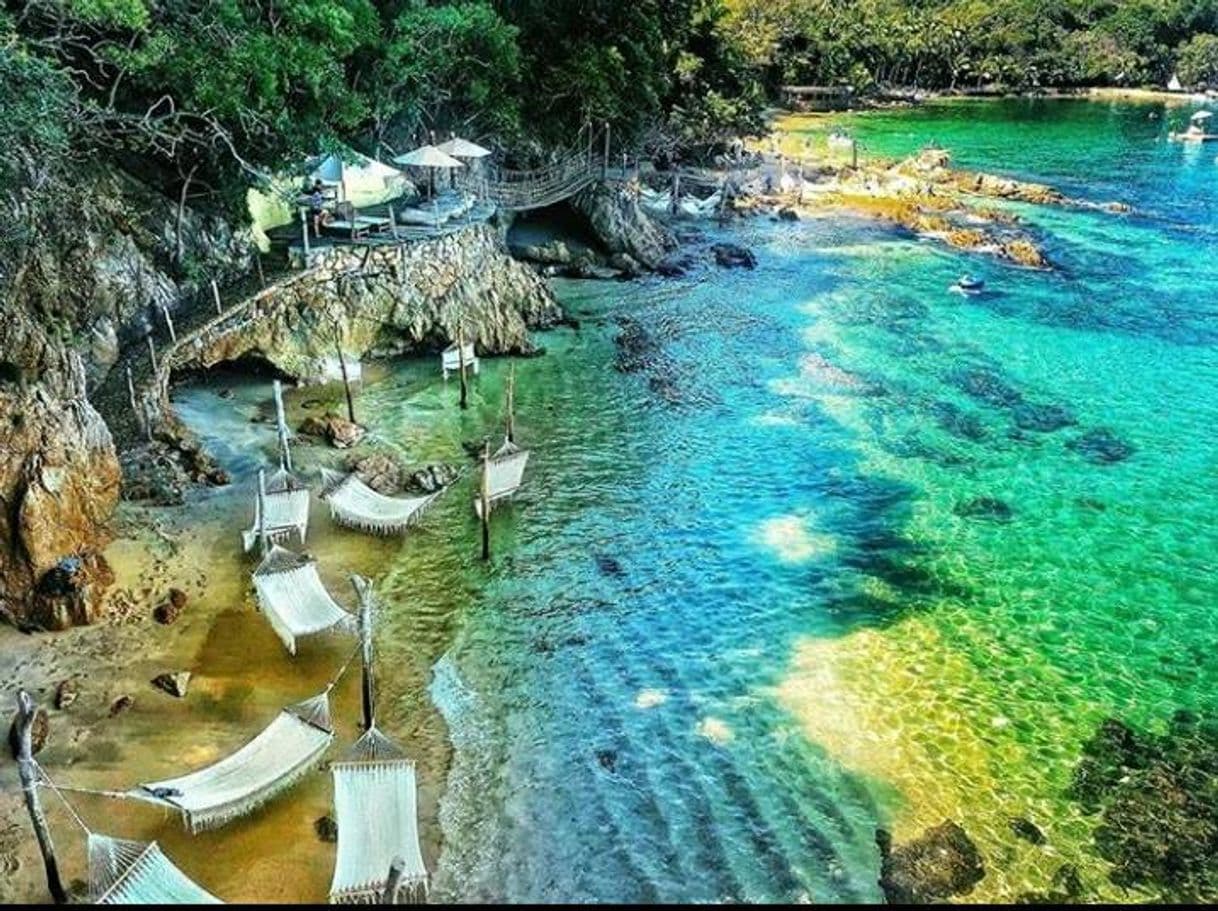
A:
242, 676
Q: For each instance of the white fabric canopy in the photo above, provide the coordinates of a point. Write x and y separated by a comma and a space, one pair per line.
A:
506, 472
428, 157
243, 781
375, 807
354, 504
291, 594
123, 872
463, 148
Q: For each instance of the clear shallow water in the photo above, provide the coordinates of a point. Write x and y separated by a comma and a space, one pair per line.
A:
736, 620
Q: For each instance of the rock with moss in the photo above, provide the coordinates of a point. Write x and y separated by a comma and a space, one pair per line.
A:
940, 863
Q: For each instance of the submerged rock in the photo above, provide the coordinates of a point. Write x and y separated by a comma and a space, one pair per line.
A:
66, 693
958, 422
121, 704
175, 683
734, 256
942, 862
337, 431
171, 608
1024, 828
1101, 446
1158, 817
989, 508
987, 386
326, 828
636, 347
609, 566
70, 593
1066, 887
1043, 418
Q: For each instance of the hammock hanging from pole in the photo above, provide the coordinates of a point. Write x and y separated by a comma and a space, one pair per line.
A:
123, 872
238, 784
375, 803
504, 470
375, 807
356, 505
291, 594
282, 503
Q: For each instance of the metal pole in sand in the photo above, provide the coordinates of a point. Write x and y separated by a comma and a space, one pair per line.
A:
27, 770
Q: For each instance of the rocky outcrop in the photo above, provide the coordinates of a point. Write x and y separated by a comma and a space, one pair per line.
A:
621, 225
943, 861
387, 299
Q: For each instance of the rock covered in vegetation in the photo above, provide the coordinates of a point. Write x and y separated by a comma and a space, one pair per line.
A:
1157, 804
940, 863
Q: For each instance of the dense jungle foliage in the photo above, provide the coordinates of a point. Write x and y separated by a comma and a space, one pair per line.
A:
213, 92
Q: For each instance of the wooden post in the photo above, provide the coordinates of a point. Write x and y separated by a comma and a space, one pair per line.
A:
486, 500
461, 368
152, 354
281, 424
393, 225
605, 160
261, 276
393, 882
135, 406
674, 201
854, 154
511, 402
363, 591
800, 197
215, 292
27, 769
262, 510
342, 367
173, 336
304, 233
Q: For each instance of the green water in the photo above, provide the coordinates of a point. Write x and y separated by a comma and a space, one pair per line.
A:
819, 564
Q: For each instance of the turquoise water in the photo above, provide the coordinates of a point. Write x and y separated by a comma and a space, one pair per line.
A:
835, 549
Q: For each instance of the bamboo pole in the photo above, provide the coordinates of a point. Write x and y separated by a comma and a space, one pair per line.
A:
281, 424
261, 275
27, 769
173, 335
461, 368
342, 368
215, 292
152, 353
363, 592
262, 510
510, 433
486, 500
393, 882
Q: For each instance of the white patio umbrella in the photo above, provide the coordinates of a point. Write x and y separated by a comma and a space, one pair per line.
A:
428, 157
463, 148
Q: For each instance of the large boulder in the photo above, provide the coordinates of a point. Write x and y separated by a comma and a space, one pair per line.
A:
940, 863
338, 432
621, 225
71, 592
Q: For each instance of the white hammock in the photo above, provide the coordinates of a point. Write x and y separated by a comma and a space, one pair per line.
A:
291, 594
450, 359
287, 511
375, 807
356, 505
506, 474
238, 784
125, 872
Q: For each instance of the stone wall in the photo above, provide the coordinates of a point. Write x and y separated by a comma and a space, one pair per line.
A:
385, 299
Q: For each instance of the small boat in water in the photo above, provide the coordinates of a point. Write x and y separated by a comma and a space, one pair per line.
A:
1198, 129
966, 284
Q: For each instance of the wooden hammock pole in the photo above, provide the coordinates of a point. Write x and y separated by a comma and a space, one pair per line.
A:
28, 772
215, 291
135, 406
511, 404
152, 353
342, 366
262, 509
393, 882
365, 632
281, 422
461, 368
486, 500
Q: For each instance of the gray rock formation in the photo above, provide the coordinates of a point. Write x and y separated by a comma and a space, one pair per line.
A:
621, 225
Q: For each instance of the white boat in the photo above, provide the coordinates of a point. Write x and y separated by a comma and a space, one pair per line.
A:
1198, 129
966, 284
